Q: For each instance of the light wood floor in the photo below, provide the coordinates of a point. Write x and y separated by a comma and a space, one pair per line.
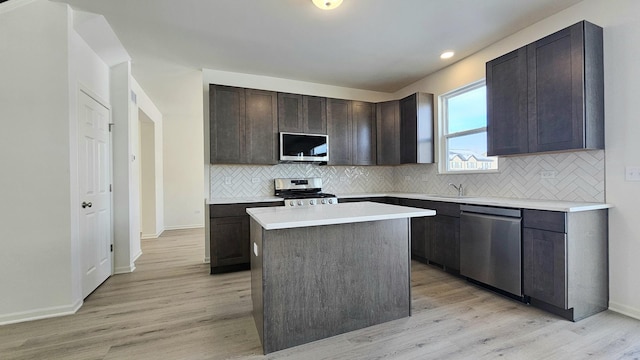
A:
171, 308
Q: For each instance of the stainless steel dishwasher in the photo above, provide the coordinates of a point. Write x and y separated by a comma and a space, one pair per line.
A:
491, 246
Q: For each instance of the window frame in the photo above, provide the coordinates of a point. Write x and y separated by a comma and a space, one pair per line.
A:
444, 137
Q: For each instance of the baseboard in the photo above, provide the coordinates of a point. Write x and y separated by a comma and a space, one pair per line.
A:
207, 260
624, 310
135, 258
151, 236
124, 269
39, 314
184, 227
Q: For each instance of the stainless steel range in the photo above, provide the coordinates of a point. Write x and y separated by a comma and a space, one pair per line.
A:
303, 192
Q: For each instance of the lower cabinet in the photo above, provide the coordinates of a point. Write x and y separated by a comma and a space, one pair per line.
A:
545, 266
445, 244
229, 236
229, 242
565, 261
436, 239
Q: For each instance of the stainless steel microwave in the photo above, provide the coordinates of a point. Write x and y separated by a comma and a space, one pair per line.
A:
304, 147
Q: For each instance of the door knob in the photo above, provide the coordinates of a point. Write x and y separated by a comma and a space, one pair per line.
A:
86, 204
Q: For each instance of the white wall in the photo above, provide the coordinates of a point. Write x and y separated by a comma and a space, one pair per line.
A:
147, 178
125, 170
44, 65
35, 261
183, 154
151, 113
619, 19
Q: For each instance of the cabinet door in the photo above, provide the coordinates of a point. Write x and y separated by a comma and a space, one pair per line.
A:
446, 242
388, 137
556, 110
261, 127
290, 117
507, 128
408, 130
339, 128
227, 124
544, 266
314, 110
421, 234
364, 133
229, 241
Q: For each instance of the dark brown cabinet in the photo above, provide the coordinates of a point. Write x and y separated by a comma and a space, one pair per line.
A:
388, 134
302, 114
340, 131
565, 261
351, 130
416, 129
507, 127
243, 126
229, 236
560, 79
364, 133
436, 239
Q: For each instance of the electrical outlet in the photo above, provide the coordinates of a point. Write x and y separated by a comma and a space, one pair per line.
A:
343, 178
228, 180
425, 178
548, 174
255, 180
632, 173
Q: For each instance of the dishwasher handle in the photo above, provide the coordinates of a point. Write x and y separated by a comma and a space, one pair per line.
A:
514, 213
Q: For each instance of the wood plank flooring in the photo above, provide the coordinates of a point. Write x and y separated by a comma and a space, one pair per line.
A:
171, 308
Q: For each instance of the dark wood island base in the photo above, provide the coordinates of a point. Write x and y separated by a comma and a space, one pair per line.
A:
310, 283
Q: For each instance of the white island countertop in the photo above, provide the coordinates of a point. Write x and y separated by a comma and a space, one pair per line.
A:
280, 217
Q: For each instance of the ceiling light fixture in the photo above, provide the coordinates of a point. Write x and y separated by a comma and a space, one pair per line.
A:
446, 55
327, 4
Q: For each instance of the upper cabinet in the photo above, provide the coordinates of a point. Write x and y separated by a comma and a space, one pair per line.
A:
548, 95
364, 133
405, 130
388, 136
416, 129
302, 114
243, 126
351, 126
340, 131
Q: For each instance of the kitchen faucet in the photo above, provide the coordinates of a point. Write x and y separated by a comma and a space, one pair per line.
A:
459, 188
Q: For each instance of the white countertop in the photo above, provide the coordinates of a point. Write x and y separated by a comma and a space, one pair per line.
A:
550, 205
281, 217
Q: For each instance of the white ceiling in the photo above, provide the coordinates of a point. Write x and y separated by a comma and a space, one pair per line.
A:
379, 45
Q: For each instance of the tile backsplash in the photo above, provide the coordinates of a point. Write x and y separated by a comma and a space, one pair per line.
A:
570, 176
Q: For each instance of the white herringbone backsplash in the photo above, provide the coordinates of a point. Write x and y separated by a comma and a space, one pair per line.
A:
579, 176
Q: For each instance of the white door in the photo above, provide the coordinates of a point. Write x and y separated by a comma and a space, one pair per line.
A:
95, 195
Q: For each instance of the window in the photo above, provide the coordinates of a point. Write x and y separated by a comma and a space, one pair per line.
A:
464, 135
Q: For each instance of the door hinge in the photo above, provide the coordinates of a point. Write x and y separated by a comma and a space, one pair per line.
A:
111, 247
110, 126
110, 188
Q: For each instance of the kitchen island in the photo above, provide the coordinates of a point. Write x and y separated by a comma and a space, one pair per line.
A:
321, 271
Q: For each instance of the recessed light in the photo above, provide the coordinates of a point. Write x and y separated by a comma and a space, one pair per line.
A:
447, 55
327, 4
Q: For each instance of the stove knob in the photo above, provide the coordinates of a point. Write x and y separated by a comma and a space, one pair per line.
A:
300, 202
330, 201
291, 203
312, 202
324, 201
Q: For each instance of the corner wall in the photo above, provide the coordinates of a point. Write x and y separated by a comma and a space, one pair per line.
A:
35, 262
